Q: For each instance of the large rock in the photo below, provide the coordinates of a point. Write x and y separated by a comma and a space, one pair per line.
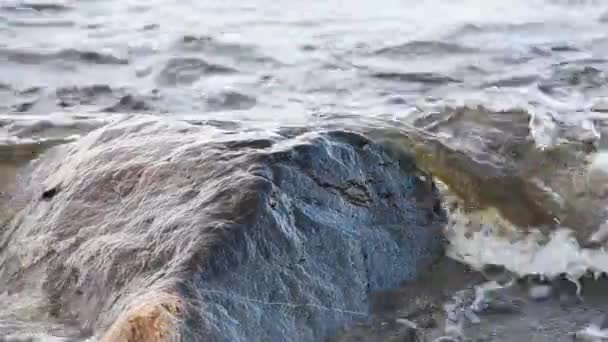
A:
153, 230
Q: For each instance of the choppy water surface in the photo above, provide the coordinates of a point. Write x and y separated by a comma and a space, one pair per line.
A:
283, 61
505, 102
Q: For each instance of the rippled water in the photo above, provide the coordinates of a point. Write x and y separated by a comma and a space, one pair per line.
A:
504, 101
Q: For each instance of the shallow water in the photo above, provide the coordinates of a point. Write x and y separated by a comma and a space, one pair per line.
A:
410, 73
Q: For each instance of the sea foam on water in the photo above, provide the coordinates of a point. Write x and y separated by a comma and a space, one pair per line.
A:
598, 173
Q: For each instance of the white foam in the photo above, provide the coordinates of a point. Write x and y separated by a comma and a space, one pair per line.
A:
498, 242
484, 237
592, 333
543, 129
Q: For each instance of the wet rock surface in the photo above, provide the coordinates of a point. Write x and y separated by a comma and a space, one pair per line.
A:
148, 227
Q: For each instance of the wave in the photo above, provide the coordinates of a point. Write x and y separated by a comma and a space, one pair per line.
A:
415, 77
39, 6
72, 55
41, 23
187, 70
421, 48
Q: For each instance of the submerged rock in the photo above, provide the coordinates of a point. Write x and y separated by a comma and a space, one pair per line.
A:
152, 230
